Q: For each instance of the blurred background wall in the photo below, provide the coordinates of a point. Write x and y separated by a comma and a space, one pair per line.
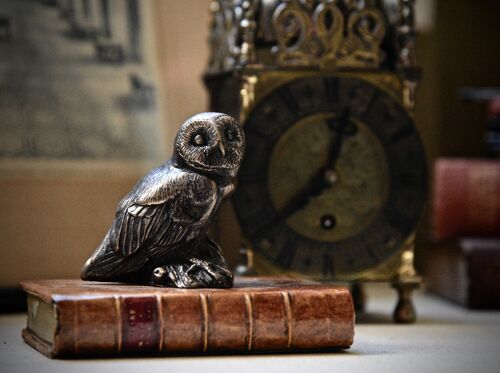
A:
51, 220
459, 49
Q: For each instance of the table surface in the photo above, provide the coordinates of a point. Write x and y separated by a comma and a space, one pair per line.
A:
446, 338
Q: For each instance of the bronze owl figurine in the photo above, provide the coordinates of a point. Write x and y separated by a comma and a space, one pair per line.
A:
159, 236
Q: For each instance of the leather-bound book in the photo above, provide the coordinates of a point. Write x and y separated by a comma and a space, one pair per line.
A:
75, 318
466, 198
465, 271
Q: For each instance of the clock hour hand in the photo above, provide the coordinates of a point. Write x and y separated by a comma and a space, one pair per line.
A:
301, 199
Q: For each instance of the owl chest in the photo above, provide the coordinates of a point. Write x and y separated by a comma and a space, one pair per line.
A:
222, 193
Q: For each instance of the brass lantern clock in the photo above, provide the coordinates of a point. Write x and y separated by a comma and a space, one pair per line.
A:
333, 181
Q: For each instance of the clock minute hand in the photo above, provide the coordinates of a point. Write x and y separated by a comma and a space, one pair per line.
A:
339, 131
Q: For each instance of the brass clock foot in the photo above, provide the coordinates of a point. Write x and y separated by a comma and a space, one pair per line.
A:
358, 297
406, 281
405, 312
245, 268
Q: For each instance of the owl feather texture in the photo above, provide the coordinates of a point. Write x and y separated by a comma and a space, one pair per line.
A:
159, 235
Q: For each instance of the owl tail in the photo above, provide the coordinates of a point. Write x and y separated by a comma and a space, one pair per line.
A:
106, 265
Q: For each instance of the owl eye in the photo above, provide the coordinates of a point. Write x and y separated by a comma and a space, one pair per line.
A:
230, 135
199, 140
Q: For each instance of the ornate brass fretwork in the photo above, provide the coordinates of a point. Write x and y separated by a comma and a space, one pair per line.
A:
309, 33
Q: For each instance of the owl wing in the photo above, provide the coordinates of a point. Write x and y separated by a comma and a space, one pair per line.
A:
165, 216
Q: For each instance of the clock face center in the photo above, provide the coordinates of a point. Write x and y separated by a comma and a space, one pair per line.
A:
331, 177
352, 186
328, 222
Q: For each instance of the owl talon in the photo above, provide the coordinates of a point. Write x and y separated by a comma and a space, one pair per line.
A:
192, 273
159, 272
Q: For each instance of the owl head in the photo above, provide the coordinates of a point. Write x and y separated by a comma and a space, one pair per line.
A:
210, 142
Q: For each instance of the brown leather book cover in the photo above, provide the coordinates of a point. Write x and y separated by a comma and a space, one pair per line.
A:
466, 271
76, 318
466, 198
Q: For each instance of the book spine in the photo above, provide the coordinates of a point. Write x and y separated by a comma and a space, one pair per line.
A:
206, 322
466, 272
484, 276
466, 198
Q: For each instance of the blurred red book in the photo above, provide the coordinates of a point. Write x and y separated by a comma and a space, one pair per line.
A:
466, 198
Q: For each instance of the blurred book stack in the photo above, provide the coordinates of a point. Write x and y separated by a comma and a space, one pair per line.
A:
464, 261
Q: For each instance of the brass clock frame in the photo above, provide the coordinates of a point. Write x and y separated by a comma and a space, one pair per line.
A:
250, 74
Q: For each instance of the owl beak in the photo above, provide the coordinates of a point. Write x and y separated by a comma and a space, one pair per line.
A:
222, 149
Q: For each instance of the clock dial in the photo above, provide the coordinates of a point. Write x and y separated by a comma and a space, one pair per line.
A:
333, 179
357, 184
